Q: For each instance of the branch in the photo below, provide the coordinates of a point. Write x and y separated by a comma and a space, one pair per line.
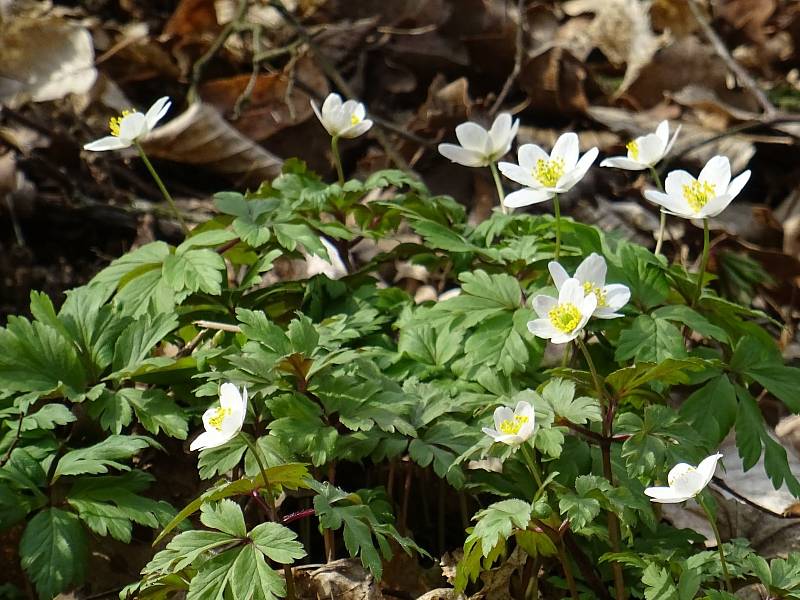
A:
518, 52
719, 46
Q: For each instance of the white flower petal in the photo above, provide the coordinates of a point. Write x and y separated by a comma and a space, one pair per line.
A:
564, 338
208, 439
132, 126
472, 136
623, 162
662, 132
717, 172
229, 396
651, 149
333, 102
737, 184
542, 328
568, 181
675, 181
462, 156
356, 130
499, 134
664, 495
672, 141
156, 112
558, 273
617, 296
542, 304
109, 142
529, 154
567, 148
519, 174
571, 292
672, 205
526, 197
593, 270
707, 467
715, 206
491, 433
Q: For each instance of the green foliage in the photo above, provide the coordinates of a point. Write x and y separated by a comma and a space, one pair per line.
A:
354, 374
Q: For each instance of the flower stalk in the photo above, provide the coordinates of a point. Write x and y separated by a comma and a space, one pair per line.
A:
530, 461
713, 522
662, 228
703, 263
162, 188
557, 211
273, 511
499, 185
337, 159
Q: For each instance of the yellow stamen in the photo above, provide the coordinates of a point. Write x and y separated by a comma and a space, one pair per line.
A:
219, 416
114, 122
599, 293
633, 149
355, 119
565, 317
512, 427
548, 172
698, 194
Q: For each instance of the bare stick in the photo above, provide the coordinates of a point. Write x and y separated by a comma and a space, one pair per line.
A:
719, 46
519, 49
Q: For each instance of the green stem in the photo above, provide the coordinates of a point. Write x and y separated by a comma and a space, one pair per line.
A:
703, 263
663, 225
531, 462
337, 158
557, 210
598, 386
499, 185
714, 527
161, 187
287, 570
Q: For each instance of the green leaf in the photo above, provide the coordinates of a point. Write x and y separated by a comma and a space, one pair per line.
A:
252, 578
500, 341
712, 409
498, 522
210, 237
670, 371
214, 577
48, 417
687, 316
658, 584
98, 458
752, 438
582, 507
137, 340
226, 516
650, 340
644, 275
109, 505
430, 345
37, 358
781, 381
196, 270
222, 459
560, 395
277, 542
135, 263
53, 552
290, 476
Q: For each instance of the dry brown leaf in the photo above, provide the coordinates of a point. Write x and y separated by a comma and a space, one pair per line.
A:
673, 15
275, 101
748, 16
200, 136
44, 58
554, 82
192, 19
342, 579
621, 30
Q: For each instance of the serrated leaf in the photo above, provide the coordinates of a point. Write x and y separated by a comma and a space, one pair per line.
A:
53, 552
498, 521
712, 409
683, 314
137, 340
560, 395
277, 543
650, 340
196, 270
226, 516
100, 457
48, 417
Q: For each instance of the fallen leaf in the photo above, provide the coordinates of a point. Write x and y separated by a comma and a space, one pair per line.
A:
44, 59
274, 103
200, 136
748, 16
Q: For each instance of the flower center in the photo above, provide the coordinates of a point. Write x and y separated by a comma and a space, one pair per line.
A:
599, 293
512, 426
565, 317
698, 194
219, 416
114, 122
355, 119
548, 172
633, 149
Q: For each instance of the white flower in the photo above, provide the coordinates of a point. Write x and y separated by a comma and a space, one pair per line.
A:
591, 274
512, 427
130, 127
706, 196
645, 151
345, 120
545, 175
685, 481
480, 148
223, 422
562, 319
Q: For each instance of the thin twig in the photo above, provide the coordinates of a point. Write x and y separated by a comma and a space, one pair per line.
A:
218, 326
200, 65
719, 46
724, 486
518, 52
13, 445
